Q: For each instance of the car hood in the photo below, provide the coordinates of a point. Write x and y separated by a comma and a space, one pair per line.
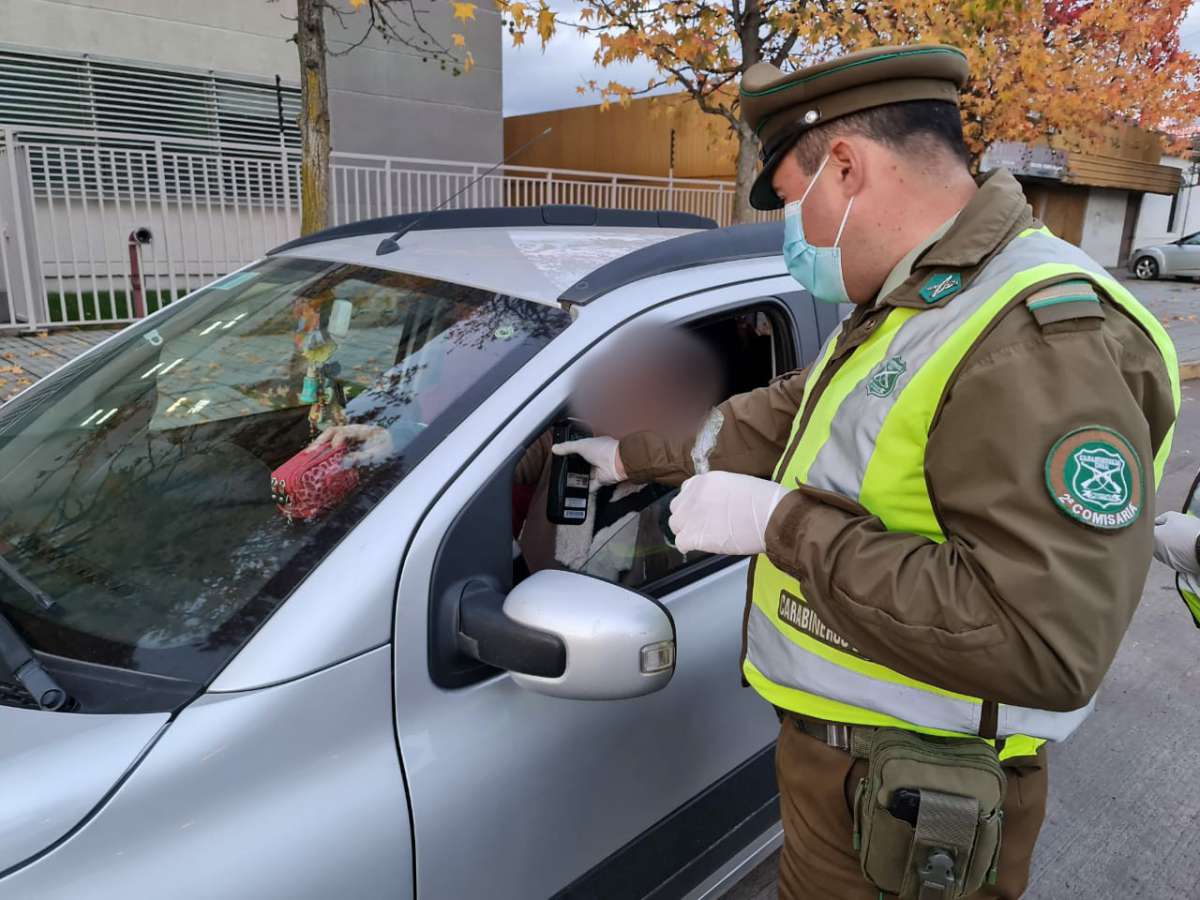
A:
56, 768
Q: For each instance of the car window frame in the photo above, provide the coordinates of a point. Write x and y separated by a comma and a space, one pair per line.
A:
447, 667
787, 349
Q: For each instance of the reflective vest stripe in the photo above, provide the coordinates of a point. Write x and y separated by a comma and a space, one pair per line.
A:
1190, 592
810, 380
865, 438
856, 369
863, 699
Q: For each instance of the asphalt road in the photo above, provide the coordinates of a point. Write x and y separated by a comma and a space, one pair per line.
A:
1124, 812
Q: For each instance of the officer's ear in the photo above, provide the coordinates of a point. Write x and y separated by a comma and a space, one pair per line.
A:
848, 159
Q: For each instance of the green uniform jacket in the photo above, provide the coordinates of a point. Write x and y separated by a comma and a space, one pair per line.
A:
1022, 604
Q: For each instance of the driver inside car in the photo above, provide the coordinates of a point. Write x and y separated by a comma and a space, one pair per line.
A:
656, 375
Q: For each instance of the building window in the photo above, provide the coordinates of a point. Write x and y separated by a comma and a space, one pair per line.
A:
196, 115
78, 92
1174, 210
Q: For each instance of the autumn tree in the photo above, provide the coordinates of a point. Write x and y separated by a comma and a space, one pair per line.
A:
1057, 71
1064, 66
394, 21
700, 47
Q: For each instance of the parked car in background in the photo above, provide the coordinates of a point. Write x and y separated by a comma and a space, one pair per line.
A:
376, 701
1179, 258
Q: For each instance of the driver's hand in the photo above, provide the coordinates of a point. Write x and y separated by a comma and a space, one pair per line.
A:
374, 443
601, 452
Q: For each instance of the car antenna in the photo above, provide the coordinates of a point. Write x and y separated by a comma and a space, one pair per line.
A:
391, 244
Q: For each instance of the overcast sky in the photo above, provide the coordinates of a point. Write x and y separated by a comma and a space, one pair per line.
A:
534, 81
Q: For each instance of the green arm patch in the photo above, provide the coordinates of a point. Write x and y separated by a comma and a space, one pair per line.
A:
1095, 476
1068, 300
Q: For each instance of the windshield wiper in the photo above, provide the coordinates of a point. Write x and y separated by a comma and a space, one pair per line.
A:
28, 586
18, 657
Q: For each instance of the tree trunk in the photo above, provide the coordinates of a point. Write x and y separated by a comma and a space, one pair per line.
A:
747, 171
314, 116
747, 158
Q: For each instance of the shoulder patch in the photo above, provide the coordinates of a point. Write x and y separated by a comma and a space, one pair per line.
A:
941, 286
1069, 300
1095, 476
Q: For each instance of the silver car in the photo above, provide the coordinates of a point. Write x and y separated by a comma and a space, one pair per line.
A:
1179, 258
369, 696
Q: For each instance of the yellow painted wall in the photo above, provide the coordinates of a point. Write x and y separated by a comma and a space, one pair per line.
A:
630, 140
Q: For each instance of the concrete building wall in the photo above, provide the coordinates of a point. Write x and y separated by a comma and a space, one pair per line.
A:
237, 37
1102, 224
1154, 220
383, 99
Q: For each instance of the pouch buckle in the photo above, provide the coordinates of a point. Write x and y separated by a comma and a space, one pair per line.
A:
937, 875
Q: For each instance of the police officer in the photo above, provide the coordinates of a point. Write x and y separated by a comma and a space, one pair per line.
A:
947, 511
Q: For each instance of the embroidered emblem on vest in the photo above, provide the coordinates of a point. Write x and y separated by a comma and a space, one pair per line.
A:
941, 285
885, 377
1096, 477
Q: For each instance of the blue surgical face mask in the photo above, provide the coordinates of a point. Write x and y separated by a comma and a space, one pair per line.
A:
817, 268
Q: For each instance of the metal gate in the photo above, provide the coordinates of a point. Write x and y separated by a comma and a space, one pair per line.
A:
119, 226
101, 227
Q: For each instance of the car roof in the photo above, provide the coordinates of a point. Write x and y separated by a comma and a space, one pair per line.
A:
534, 263
552, 254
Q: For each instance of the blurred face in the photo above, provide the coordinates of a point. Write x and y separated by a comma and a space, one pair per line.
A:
657, 379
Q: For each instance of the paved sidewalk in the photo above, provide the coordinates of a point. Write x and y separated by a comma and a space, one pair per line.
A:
26, 358
1177, 306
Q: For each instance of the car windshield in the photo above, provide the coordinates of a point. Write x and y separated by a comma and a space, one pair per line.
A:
141, 487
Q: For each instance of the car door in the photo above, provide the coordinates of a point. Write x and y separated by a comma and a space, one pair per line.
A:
516, 794
1179, 256
1184, 258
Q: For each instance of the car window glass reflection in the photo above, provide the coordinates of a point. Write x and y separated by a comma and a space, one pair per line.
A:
166, 492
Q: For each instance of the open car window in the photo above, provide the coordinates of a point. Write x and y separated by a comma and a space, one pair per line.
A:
639, 548
136, 485
625, 537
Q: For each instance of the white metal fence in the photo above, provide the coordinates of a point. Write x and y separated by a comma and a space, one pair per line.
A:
105, 227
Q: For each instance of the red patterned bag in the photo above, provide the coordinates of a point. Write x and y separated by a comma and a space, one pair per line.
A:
312, 482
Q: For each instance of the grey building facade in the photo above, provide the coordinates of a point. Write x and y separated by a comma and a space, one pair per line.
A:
383, 99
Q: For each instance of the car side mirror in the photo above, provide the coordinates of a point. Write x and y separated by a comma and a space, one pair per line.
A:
568, 635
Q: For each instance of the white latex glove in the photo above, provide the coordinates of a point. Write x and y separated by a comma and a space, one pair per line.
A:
600, 452
721, 512
374, 443
1175, 541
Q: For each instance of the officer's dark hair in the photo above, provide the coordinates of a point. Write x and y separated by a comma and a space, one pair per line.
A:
915, 126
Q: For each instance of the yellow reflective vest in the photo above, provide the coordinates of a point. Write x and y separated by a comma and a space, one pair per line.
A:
865, 439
